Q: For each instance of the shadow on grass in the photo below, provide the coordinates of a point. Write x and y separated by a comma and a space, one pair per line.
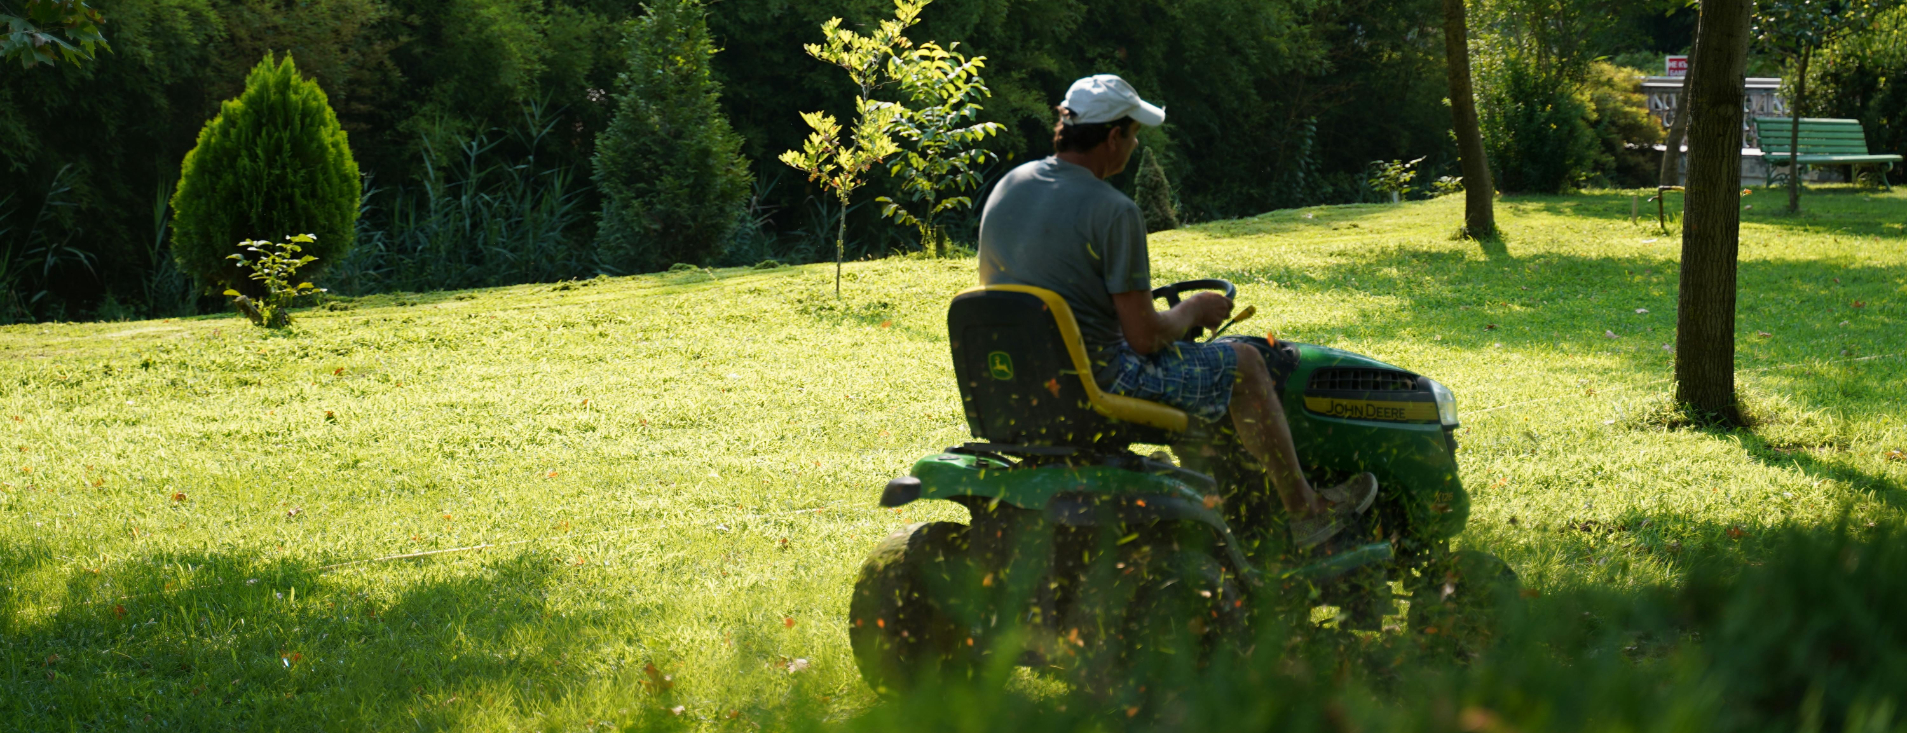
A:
252, 642
1589, 304
1495, 249
1842, 210
1801, 458
1832, 209
18, 558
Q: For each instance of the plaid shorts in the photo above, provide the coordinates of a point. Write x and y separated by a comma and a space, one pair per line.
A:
1193, 377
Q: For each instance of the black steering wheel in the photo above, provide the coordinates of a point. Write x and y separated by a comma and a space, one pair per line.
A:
1171, 292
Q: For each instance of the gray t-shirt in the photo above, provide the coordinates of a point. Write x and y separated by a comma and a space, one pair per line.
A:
1054, 225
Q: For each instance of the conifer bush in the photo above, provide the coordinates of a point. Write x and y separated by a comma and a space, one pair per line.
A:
669, 167
273, 163
1154, 195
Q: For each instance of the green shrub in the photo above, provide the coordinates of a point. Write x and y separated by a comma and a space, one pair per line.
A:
1531, 68
1535, 129
1864, 77
1394, 177
1154, 195
669, 167
1625, 131
272, 163
1805, 641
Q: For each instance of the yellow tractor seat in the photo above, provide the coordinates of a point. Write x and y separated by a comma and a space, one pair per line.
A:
1025, 378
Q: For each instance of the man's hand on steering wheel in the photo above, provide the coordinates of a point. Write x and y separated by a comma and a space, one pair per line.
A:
1208, 310
1148, 329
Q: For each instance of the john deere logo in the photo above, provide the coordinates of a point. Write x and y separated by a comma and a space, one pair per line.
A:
1373, 409
1000, 366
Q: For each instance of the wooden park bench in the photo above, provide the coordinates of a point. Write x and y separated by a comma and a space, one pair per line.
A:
1823, 142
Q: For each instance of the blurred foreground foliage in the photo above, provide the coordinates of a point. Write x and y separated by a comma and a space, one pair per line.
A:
1804, 641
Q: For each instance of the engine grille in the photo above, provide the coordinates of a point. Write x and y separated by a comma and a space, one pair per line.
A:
1363, 380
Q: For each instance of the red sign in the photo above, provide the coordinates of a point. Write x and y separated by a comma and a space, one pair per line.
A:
1678, 66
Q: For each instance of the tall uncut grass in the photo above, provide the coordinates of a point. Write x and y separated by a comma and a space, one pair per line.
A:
36, 249
484, 219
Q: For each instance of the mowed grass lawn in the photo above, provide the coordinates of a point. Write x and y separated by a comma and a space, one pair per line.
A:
673, 477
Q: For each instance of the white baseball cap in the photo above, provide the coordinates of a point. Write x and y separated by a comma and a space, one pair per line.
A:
1104, 98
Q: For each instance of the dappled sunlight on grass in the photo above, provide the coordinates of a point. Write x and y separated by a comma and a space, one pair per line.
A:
1556, 349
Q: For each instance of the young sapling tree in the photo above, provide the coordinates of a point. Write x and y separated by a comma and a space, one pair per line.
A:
1796, 29
1394, 177
841, 165
274, 265
941, 156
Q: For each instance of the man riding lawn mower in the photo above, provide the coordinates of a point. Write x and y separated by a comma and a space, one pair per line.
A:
1084, 555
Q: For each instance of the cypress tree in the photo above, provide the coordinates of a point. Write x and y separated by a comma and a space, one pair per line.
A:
1155, 196
273, 163
669, 166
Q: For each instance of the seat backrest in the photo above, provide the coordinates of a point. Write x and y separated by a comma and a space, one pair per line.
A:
1025, 378
1819, 136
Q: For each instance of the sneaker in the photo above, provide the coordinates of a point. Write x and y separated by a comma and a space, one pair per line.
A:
1352, 497
1310, 531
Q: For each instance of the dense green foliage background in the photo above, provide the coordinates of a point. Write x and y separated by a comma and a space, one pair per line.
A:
474, 120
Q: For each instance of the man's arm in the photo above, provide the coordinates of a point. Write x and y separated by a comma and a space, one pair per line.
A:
1148, 330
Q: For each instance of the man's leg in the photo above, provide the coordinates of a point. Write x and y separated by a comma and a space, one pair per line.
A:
1260, 420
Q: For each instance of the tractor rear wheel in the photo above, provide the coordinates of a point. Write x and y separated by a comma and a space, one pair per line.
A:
912, 617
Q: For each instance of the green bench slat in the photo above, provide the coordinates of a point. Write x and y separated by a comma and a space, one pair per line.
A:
1815, 139
1771, 146
1814, 130
1846, 142
1834, 159
1783, 133
1805, 121
1810, 130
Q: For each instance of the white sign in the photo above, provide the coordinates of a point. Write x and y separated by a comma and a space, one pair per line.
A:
1678, 66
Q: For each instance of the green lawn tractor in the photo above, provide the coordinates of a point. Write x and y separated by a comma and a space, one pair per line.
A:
1083, 555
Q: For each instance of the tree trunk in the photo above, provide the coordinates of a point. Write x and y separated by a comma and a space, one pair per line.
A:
1794, 136
1671, 173
1711, 224
840, 247
1479, 212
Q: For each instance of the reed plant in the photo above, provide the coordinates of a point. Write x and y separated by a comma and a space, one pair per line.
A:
486, 214
36, 251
